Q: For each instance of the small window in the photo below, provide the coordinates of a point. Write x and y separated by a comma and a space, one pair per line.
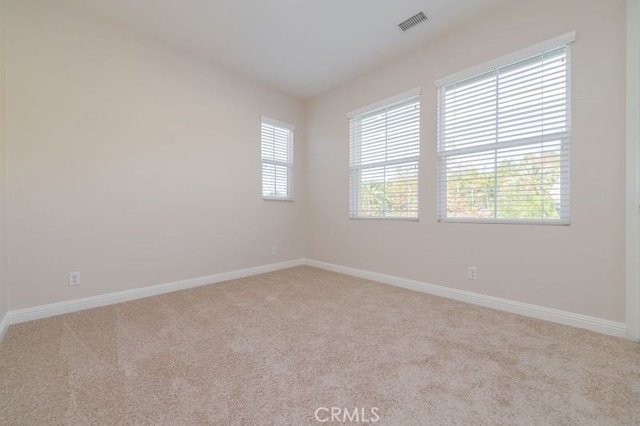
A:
384, 157
503, 142
277, 160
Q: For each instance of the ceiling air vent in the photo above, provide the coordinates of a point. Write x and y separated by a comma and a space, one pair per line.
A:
413, 21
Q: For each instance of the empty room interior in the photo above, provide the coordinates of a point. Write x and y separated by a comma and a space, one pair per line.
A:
320, 212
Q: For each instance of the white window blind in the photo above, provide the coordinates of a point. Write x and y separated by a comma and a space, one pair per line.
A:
384, 156
503, 143
277, 159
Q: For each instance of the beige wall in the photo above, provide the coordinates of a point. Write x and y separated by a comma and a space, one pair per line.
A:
3, 168
131, 162
578, 268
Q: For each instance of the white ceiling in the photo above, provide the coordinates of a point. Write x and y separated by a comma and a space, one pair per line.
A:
301, 47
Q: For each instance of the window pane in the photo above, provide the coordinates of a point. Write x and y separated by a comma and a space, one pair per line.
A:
471, 186
388, 191
275, 181
528, 181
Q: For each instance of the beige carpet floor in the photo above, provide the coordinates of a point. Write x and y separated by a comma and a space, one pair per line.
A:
275, 348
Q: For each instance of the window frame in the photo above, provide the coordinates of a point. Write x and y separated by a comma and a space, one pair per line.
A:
555, 43
354, 184
289, 164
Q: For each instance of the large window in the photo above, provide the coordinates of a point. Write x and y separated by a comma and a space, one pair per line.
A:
277, 160
384, 157
503, 139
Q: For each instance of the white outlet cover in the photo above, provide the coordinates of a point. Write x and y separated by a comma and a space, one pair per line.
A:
473, 273
74, 278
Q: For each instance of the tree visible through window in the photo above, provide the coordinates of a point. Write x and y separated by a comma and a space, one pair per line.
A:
504, 143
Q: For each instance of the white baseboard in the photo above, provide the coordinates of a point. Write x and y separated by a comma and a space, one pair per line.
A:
540, 312
53, 309
4, 325
534, 311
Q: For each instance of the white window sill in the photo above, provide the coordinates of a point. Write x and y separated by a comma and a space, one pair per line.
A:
277, 199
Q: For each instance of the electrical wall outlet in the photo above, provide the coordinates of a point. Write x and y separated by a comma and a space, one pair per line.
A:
472, 273
274, 251
74, 278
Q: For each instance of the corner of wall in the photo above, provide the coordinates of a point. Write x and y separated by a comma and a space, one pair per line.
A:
3, 181
305, 176
633, 171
